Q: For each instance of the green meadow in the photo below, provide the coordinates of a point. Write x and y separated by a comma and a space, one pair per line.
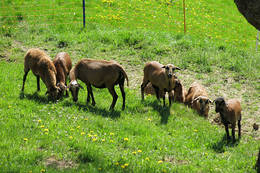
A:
218, 50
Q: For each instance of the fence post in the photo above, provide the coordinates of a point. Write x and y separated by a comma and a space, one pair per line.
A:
84, 17
184, 16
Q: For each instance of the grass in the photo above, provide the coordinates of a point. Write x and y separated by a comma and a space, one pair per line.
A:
44, 136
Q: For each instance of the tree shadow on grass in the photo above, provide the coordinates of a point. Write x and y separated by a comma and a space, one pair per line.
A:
96, 110
219, 146
164, 111
35, 96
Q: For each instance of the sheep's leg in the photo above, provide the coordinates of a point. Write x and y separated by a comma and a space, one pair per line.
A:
123, 95
233, 131
163, 100
24, 79
227, 132
67, 93
91, 93
239, 128
170, 98
142, 88
156, 89
115, 96
38, 83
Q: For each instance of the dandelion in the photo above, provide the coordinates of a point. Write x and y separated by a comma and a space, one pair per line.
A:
126, 164
9, 106
125, 139
134, 152
82, 133
94, 139
72, 129
112, 134
78, 127
42, 126
95, 135
149, 119
25, 139
46, 130
86, 119
42, 170
195, 130
39, 121
123, 166
103, 140
147, 158
139, 151
70, 137
116, 163
160, 161
111, 141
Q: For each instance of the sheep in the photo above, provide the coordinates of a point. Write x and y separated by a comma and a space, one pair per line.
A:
62, 63
230, 113
101, 74
197, 98
42, 67
149, 89
179, 92
161, 77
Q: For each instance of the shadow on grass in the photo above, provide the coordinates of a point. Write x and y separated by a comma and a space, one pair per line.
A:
94, 109
219, 146
164, 111
35, 96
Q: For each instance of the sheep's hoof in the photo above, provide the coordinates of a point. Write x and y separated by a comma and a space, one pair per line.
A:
123, 108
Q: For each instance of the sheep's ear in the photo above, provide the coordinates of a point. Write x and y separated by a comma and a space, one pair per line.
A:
177, 68
80, 86
163, 66
196, 99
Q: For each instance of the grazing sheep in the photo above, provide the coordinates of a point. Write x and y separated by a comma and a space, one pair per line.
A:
179, 92
161, 77
197, 98
42, 67
230, 113
63, 66
101, 74
149, 89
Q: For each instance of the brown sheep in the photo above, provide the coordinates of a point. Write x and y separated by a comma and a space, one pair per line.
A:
179, 92
161, 77
230, 113
42, 67
100, 74
197, 98
63, 66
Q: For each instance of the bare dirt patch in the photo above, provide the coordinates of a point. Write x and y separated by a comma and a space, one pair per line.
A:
59, 164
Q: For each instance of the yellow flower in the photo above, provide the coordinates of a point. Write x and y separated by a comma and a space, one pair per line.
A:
86, 119
164, 171
42, 170
126, 164
195, 130
91, 131
70, 137
42, 126
112, 134
39, 121
95, 135
123, 166
103, 140
149, 119
82, 133
147, 158
25, 139
46, 130
160, 161
94, 139
89, 135
78, 127
9, 106
134, 152
125, 139
139, 151
111, 141
116, 163
72, 129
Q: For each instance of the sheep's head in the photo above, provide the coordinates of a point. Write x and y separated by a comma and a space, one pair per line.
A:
169, 69
220, 104
62, 88
178, 85
202, 104
53, 92
74, 87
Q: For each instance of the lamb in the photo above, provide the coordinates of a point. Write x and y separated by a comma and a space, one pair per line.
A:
62, 63
230, 113
161, 77
42, 67
197, 98
179, 92
101, 74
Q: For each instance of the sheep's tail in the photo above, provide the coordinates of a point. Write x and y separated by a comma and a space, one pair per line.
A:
124, 73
